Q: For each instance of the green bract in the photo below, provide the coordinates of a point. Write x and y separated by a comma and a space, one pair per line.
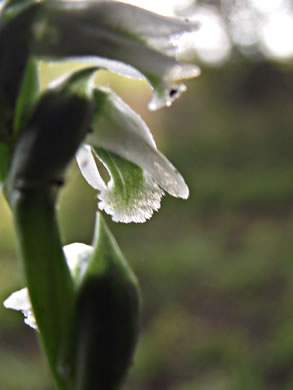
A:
106, 316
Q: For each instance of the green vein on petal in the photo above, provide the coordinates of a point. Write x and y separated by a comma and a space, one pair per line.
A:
131, 195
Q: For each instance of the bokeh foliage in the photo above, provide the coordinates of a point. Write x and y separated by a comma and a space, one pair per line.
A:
216, 271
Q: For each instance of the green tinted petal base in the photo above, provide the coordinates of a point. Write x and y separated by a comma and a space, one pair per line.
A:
131, 195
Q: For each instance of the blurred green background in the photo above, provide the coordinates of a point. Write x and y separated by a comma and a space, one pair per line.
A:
216, 271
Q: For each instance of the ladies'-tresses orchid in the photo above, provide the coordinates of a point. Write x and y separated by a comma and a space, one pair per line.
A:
129, 41
78, 300
122, 38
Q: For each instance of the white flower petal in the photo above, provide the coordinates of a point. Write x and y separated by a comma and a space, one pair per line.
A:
77, 256
166, 34
118, 129
19, 300
120, 32
88, 167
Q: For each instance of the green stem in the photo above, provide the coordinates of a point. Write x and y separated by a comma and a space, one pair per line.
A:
48, 277
57, 126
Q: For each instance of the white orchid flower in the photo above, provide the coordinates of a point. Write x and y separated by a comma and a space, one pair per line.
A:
76, 255
119, 37
133, 42
139, 173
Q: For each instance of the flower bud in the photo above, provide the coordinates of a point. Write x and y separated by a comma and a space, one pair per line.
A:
107, 313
